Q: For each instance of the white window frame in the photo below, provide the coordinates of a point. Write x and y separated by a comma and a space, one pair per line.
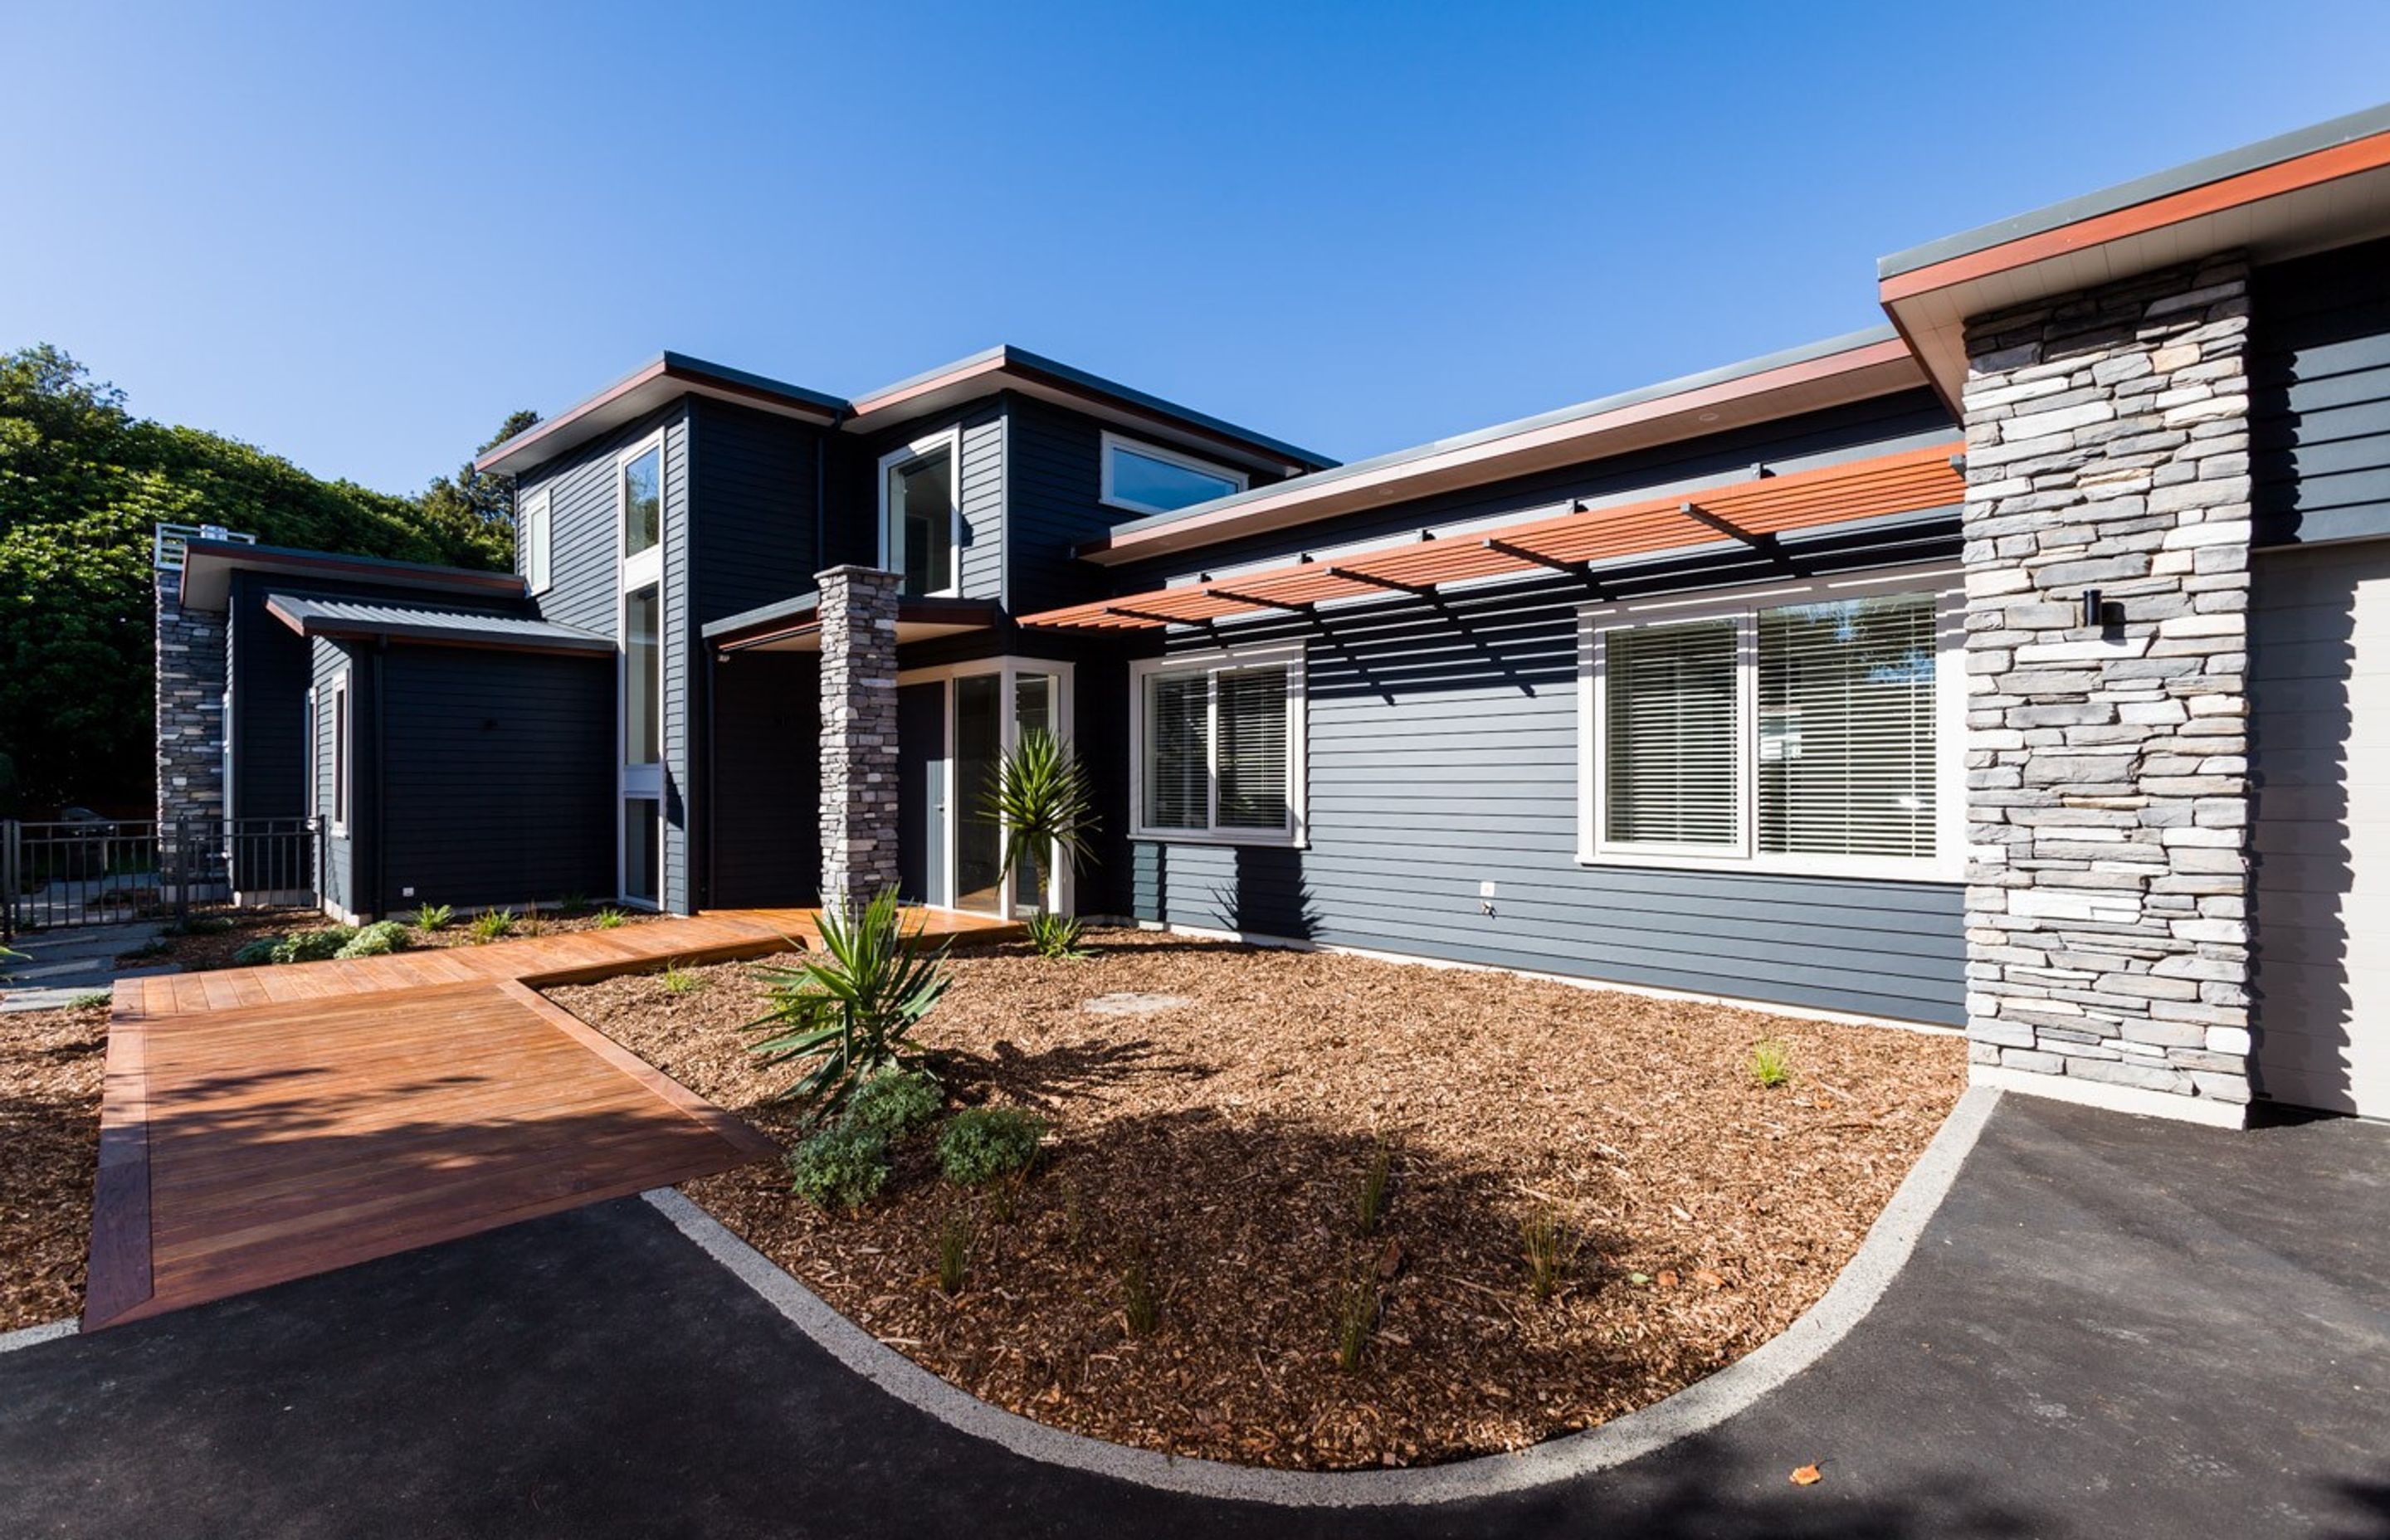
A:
315, 755
951, 441
539, 542
645, 570
1062, 886
1169, 457
1948, 863
344, 753
1297, 834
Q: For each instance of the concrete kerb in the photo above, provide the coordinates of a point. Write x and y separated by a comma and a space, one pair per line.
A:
25, 1336
1694, 1409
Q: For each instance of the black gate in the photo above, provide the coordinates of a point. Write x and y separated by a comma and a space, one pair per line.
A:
104, 871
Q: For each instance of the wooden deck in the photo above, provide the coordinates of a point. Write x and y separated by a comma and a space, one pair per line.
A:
263, 1125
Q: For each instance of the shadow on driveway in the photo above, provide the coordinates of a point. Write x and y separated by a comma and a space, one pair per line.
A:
2115, 1327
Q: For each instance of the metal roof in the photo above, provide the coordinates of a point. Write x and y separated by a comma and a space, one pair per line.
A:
319, 615
208, 566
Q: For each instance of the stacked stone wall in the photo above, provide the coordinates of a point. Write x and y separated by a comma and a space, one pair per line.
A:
858, 612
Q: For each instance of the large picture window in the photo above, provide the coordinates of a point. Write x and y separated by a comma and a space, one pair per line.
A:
1219, 748
1811, 727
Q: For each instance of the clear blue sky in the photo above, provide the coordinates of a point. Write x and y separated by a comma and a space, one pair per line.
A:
360, 239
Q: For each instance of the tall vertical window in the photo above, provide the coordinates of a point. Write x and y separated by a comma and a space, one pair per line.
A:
643, 684
341, 753
920, 526
1219, 748
1809, 729
643, 501
538, 536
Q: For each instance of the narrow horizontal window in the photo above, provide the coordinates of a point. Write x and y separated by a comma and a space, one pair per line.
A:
1144, 479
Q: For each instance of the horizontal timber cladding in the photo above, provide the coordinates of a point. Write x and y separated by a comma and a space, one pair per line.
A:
497, 780
586, 542
763, 836
332, 665
752, 500
2319, 396
1442, 754
853, 535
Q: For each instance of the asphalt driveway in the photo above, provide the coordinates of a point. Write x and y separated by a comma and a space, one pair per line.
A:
2114, 1327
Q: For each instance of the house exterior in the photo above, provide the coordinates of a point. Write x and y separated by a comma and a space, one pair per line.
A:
2016, 668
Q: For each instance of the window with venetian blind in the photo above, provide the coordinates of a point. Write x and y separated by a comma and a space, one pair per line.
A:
1218, 751
1786, 736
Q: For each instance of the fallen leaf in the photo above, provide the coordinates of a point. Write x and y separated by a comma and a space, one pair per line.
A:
1808, 1475
1389, 1260
1708, 1277
1668, 1278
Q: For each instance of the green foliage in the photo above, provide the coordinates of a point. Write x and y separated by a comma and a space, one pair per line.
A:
896, 1102
1771, 1063
257, 954
202, 925
312, 945
1140, 1304
378, 940
1358, 1305
573, 904
1550, 1247
493, 924
1041, 797
610, 920
1056, 936
82, 482
433, 918
839, 1167
980, 1144
1369, 1201
533, 924
849, 1012
92, 1000
954, 1251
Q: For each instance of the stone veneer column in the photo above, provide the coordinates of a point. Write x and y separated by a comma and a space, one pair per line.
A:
191, 707
858, 734
2107, 768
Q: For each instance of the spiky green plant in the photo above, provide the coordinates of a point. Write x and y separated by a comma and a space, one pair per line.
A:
1358, 1304
1771, 1063
849, 1011
1549, 1247
433, 916
610, 920
1369, 1201
682, 980
1041, 797
493, 924
954, 1250
1056, 937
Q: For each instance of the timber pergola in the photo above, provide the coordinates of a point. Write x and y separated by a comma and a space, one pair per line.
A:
1751, 513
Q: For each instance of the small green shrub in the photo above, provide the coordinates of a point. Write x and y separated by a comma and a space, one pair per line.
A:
1358, 1304
896, 1102
980, 1144
431, 918
313, 946
1771, 1063
840, 1168
954, 1251
378, 940
1056, 937
1548, 1247
493, 924
682, 980
533, 923
1140, 1305
610, 920
257, 954
1369, 1201
202, 925
93, 1000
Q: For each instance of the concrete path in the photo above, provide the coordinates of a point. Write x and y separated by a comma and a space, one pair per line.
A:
2113, 1327
61, 966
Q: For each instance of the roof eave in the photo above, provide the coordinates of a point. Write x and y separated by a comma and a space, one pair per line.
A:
664, 379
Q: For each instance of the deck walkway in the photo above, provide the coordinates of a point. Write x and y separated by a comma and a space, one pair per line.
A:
265, 1123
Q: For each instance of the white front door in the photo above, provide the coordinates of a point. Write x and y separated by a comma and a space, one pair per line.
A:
988, 705
2319, 741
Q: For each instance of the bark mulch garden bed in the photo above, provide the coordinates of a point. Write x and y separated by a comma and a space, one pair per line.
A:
1214, 1149
214, 946
51, 1064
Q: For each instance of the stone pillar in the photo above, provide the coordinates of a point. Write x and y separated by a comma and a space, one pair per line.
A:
191, 707
858, 734
2107, 768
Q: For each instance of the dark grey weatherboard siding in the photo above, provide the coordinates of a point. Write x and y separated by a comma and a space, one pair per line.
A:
762, 822
1442, 753
495, 784
344, 859
2320, 374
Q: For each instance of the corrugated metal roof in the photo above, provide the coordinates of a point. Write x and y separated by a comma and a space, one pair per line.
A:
321, 615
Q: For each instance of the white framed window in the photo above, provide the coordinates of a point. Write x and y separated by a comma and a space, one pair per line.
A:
986, 704
1144, 478
1809, 728
315, 755
1217, 746
641, 618
539, 538
343, 751
920, 514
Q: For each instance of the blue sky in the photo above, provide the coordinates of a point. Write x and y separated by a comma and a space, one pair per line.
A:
359, 239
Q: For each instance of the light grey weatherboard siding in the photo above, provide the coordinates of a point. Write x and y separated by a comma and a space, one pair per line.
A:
2319, 406
1442, 753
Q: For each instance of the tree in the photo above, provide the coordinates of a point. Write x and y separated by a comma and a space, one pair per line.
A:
82, 482
477, 507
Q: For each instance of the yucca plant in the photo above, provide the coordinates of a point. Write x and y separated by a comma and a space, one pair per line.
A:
848, 1012
1041, 796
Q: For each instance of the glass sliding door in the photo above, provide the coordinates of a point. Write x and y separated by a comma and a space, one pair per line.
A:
1034, 702
978, 746
988, 706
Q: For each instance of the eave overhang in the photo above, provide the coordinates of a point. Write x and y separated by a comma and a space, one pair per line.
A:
356, 621
2320, 187
663, 379
209, 565
794, 624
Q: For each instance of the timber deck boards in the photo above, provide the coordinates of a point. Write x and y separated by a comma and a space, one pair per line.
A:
266, 1123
